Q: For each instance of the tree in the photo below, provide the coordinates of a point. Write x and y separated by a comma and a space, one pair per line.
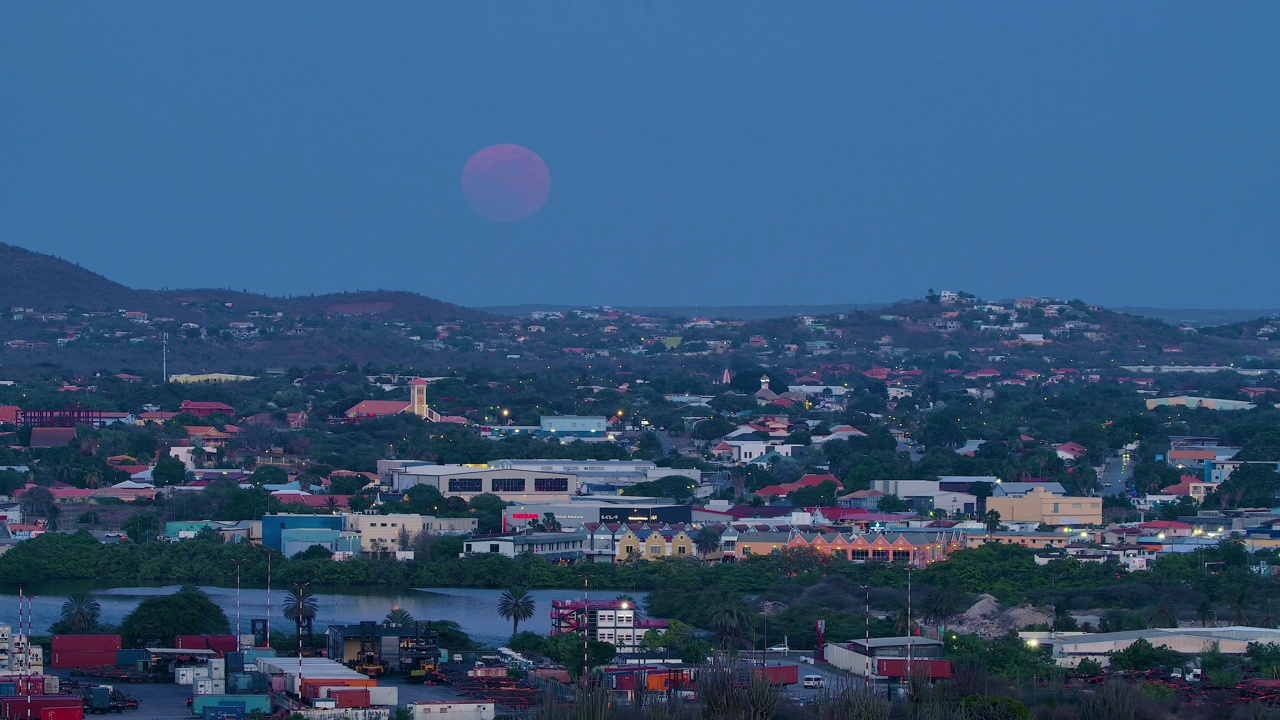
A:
300, 606
36, 501
1205, 614
142, 528
944, 602
992, 521
269, 475
891, 503
515, 604
730, 619
186, 612
707, 541
169, 470
52, 517
80, 612
566, 648
1142, 655
398, 617
1162, 617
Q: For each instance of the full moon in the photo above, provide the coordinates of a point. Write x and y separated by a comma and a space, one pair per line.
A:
506, 183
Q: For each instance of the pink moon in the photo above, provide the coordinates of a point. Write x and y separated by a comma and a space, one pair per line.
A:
506, 183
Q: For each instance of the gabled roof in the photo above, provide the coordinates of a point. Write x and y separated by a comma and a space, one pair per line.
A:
377, 408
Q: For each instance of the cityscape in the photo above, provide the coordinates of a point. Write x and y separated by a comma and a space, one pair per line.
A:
629, 361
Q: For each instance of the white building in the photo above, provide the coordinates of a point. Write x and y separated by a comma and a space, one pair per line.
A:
520, 486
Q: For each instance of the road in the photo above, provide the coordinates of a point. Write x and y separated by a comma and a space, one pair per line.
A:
1118, 471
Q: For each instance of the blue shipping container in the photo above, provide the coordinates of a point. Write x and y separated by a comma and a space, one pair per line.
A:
8, 688
224, 712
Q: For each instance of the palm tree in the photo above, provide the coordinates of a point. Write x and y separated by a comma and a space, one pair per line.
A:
300, 606
515, 605
1240, 609
80, 612
398, 617
1205, 614
1268, 614
707, 542
992, 520
1162, 617
943, 603
729, 618
903, 623
51, 519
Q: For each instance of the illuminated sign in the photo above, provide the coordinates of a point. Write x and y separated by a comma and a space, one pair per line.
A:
524, 516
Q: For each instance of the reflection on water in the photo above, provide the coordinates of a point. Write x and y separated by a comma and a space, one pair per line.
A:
475, 610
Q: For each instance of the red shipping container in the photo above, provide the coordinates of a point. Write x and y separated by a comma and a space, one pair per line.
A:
28, 684
82, 658
73, 643
222, 644
67, 713
35, 706
350, 698
897, 668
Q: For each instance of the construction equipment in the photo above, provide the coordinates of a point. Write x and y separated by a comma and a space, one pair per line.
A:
369, 659
420, 656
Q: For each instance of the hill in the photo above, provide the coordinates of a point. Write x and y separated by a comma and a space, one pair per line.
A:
50, 284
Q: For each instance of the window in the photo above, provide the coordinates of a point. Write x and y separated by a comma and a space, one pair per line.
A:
551, 485
493, 547
746, 550
509, 485
680, 550
466, 485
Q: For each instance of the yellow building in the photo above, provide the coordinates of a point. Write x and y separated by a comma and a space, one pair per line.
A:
385, 533
651, 544
1040, 506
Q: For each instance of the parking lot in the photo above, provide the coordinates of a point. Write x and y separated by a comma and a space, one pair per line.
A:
161, 701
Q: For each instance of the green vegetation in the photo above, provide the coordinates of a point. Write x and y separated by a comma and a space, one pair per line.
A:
186, 612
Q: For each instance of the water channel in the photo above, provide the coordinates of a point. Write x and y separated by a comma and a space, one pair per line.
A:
475, 610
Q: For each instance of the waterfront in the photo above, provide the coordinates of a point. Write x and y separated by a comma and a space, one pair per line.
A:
475, 610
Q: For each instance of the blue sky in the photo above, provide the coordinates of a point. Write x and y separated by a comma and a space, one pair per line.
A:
701, 153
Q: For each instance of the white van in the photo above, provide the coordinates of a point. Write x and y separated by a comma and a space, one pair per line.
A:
814, 682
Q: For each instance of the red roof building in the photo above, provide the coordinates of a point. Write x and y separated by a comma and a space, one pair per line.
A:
205, 409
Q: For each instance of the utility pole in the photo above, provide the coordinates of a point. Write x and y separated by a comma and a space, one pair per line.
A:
164, 356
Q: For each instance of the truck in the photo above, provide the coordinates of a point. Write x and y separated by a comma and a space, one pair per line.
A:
103, 699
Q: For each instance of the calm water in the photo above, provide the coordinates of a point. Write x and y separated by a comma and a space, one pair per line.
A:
476, 611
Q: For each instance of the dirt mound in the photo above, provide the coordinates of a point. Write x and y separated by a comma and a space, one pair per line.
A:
986, 619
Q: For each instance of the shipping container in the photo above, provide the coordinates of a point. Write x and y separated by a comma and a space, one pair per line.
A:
131, 659
221, 644
224, 712
250, 703
235, 662
33, 706
184, 675
897, 668
82, 658
94, 643
8, 688
209, 686
218, 669
62, 713
351, 698
384, 696
777, 674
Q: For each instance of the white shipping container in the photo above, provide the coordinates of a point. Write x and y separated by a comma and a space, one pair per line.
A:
184, 675
51, 686
383, 696
210, 687
200, 672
